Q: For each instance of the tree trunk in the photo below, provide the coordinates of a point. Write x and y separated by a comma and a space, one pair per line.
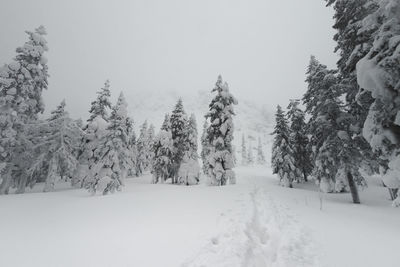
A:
305, 176
22, 184
5, 183
393, 193
353, 188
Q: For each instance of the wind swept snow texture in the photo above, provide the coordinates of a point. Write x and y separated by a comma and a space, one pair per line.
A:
261, 234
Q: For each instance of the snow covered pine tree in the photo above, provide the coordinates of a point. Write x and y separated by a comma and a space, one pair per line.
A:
95, 130
379, 73
205, 148
21, 86
220, 135
250, 156
150, 139
101, 104
143, 150
299, 140
353, 44
324, 106
283, 161
260, 153
162, 151
245, 161
133, 150
56, 143
189, 170
113, 155
179, 122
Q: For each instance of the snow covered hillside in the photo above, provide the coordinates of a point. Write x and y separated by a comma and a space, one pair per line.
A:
252, 120
253, 223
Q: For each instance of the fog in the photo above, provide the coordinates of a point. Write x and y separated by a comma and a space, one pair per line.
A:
260, 47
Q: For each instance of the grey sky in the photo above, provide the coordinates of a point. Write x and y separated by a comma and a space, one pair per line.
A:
261, 47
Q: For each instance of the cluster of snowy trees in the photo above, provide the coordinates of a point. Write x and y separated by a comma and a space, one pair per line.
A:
174, 150
247, 152
98, 155
353, 112
290, 152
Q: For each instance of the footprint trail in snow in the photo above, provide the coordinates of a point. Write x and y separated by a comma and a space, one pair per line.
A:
261, 234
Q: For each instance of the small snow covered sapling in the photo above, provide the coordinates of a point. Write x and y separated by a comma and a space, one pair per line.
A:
189, 171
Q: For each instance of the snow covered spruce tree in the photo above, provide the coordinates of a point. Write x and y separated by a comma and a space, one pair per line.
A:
323, 104
56, 143
378, 72
244, 152
205, 148
260, 153
95, 130
299, 140
189, 170
150, 138
336, 157
353, 43
179, 122
166, 125
250, 156
113, 154
192, 136
283, 161
21, 85
162, 152
99, 107
353, 40
132, 146
143, 150
151, 133
220, 135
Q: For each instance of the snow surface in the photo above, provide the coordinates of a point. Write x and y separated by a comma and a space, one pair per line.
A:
253, 223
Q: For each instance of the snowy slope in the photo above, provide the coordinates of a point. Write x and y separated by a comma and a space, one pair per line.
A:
251, 119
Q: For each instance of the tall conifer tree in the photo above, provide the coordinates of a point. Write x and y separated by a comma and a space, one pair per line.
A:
283, 161
220, 135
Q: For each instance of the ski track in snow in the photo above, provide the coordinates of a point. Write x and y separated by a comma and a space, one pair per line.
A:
262, 233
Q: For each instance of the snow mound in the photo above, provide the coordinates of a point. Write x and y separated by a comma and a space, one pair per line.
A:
262, 234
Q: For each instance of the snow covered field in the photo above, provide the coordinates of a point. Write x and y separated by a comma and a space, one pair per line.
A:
253, 223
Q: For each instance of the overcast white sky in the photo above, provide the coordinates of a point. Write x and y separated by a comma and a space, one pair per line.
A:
261, 47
